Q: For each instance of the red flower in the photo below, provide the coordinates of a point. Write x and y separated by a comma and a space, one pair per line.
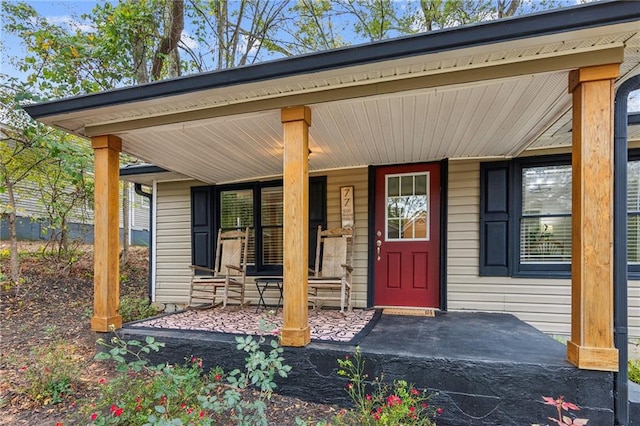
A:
412, 409
368, 397
102, 380
393, 400
349, 385
138, 407
425, 405
218, 377
376, 416
59, 424
94, 416
346, 357
113, 408
201, 413
439, 411
138, 399
23, 368
415, 391
118, 412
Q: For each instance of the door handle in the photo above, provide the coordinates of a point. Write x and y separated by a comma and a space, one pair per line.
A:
378, 244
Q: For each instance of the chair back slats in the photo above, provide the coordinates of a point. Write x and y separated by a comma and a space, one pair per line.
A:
332, 270
232, 250
334, 255
231, 255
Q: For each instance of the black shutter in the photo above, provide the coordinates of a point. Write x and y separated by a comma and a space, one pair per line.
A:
495, 214
317, 213
202, 232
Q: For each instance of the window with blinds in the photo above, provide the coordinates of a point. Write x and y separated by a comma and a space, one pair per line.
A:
545, 223
236, 212
633, 209
271, 204
260, 206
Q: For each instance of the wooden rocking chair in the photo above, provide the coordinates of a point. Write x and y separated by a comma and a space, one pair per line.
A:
228, 275
331, 279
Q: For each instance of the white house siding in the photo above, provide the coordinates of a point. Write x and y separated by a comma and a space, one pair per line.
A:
173, 242
173, 236
543, 303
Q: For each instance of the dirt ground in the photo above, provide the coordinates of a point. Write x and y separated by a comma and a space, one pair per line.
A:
54, 303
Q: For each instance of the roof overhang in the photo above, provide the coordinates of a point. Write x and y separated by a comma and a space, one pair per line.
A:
486, 90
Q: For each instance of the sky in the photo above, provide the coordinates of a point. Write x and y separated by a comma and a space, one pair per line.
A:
65, 10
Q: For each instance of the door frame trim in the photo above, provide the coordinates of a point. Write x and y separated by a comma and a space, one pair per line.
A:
444, 184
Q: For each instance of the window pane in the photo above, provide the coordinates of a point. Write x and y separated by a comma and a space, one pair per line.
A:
633, 186
272, 219
236, 209
421, 185
545, 240
236, 212
272, 200
546, 190
406, 185
408, 213
272, 246
393, 228
393, 186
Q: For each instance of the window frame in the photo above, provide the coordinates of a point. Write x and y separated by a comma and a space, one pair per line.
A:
552, 270
514, 267
258, 268
633, 271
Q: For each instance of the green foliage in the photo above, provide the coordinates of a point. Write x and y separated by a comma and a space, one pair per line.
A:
53, 372
634, 370
399, 403
143, 394
134, 308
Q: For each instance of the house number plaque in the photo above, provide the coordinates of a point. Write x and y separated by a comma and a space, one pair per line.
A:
346, 206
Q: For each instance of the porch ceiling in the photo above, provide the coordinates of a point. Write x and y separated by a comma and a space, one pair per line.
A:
493, 99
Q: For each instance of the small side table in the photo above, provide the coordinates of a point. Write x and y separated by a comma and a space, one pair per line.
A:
263, 284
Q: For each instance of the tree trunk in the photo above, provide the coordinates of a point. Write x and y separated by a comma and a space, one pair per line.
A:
14, 259
174, 24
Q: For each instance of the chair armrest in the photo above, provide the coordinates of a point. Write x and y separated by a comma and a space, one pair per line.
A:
202, 268
234, 267
347, 267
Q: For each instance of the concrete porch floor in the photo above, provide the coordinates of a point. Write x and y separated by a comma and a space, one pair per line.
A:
487, 369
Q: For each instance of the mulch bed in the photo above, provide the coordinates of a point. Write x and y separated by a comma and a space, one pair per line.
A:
54, 304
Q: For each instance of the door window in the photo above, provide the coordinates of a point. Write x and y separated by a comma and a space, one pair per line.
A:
407, 215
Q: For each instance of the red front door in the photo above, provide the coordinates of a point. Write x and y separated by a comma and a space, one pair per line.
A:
407, 236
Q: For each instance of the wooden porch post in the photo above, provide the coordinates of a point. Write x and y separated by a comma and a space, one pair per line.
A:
295, 328
591, 346
106, 233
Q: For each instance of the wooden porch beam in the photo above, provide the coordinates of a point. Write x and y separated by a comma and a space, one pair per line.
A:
295, 328
591, 346
106, 233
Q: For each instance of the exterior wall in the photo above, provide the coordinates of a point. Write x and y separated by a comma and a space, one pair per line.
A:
359, 178
173, 237
543, 303
173, 242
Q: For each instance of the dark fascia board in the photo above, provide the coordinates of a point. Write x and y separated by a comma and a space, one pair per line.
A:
634, 118
141, 169
535, 25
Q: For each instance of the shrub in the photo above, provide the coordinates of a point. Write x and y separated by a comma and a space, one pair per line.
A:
634, 370
399, 403
143, 394
54, 373
136, 308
